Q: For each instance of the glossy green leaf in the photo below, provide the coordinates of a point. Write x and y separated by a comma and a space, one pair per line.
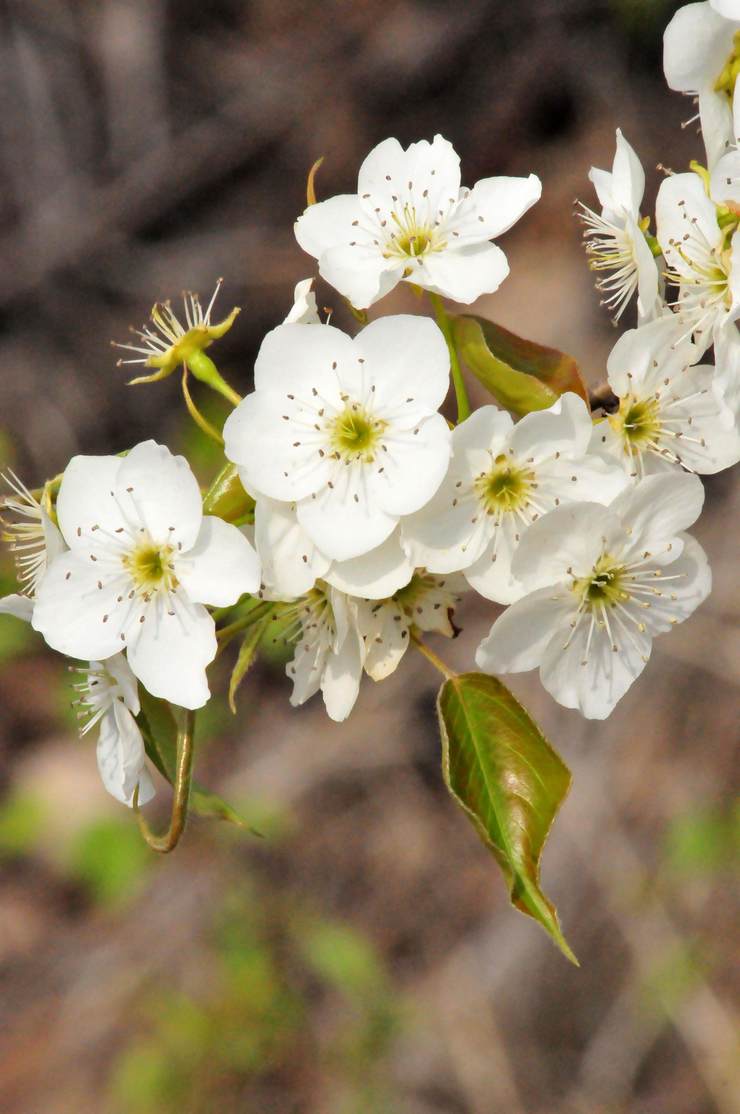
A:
247, 653
500, 768
521, 375
226, 497
158, 726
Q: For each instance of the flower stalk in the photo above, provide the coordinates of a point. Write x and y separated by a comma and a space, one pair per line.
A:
461, 394
167, 842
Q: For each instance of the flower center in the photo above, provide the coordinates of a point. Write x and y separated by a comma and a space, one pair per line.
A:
412, 237
604, 586
505, 488
354, 434
725, 83
150, 566
637, 421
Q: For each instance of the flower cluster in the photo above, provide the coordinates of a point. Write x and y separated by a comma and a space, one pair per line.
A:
363, 512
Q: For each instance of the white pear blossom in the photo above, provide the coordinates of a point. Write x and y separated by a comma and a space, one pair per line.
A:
347, 430
703, 257
671, 411
602, 582
142, 562
338, 635
724, 183
304, 310
108, 696
503, 477
329, 650
411, 220
33, 540
427, 603
701, 56
615, 239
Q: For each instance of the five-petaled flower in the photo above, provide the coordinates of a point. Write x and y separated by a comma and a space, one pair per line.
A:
671, 410
601, 583
410, 219
347, 430
142, 562
503, 477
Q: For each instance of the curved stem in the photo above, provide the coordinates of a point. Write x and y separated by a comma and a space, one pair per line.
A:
254, 615
203, 368
461, 394
194, 412
430, 655
183, 773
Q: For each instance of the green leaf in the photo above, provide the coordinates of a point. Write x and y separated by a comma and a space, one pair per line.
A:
159, 728
247, 652
521, 375
500, 768
226, 497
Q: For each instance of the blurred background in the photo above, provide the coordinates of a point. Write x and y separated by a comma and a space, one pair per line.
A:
361, 957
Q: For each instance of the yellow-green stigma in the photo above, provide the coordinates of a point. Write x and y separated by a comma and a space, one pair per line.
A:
725, 83
506, 487
150, 567
637, 422
354, 434
412, 238
604, 587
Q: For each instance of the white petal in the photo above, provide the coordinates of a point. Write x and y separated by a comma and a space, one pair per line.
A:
602, 181
304, 310
359, 271
390, 176
170, 653
681, 200
413, 467
375, 575
597, 479
502, 201
727, 358
384, 628
594, 687
71, 610
306, 668
86, 499
220, 567
715, 116
518, 639
121, 757
564, 427
730, 9
340, 682
298, 359
462, 274
162, 492
682, 595
291, 563
564, 542
266, 437
696, 44
20, 607
341, 527
408, 358
649, 302
628, 177
122, 674
659, 507
493, 578
631, 366
327, 223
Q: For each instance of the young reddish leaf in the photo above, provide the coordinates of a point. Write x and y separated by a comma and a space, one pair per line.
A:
521, 375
